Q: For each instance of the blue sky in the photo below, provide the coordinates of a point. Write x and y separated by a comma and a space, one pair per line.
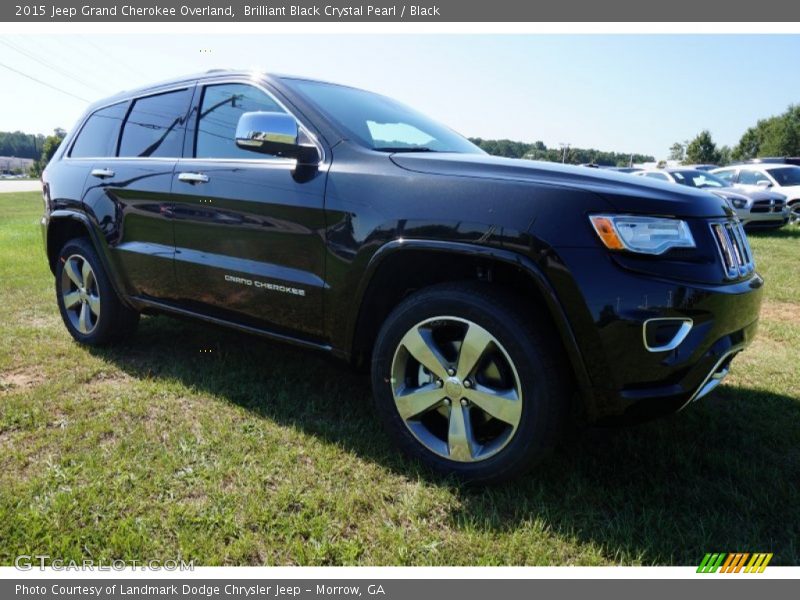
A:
614, 92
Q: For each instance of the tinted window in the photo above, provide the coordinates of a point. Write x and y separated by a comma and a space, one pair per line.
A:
660, 176
786, 175
748, 177
220, 110
698, 179
98, 136
726, 176
155, 125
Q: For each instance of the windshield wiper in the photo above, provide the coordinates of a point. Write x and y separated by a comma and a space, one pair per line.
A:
405, 149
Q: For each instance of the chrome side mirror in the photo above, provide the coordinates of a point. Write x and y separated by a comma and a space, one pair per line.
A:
269, 133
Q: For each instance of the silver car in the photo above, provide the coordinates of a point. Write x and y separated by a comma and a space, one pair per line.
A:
756, 208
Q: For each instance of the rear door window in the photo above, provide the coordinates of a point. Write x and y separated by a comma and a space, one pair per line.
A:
98, 136
155, 126
788, 175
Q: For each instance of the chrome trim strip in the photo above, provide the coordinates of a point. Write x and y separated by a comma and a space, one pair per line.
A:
732, 242
725, 255
733, 248
677, 339
244, 79
713, 379
278, 161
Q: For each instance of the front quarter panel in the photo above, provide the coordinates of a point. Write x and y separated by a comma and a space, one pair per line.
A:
371, 202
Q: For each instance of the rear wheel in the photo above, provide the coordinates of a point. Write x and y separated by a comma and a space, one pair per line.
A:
89, 306
467, 382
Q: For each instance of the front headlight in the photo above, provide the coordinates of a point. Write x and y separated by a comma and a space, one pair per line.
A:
645, 235
738, 202
734, 201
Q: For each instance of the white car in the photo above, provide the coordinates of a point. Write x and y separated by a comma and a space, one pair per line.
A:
756, 208
777, 177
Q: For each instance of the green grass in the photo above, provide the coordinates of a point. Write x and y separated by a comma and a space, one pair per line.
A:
256, 453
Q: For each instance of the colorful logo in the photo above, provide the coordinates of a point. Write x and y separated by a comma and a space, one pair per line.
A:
734, 562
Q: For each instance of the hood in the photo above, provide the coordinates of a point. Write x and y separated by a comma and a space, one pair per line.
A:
624, 192
790, 191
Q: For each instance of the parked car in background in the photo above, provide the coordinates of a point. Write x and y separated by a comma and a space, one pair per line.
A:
702, 167
777, 177
755, 208
625, 169
777, 160
608, 168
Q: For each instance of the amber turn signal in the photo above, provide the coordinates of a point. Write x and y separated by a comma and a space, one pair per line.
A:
608, 234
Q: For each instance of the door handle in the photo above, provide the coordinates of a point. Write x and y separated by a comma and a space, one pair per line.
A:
193, 177
102, 173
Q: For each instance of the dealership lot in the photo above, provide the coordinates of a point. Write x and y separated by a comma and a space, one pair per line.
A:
200, 444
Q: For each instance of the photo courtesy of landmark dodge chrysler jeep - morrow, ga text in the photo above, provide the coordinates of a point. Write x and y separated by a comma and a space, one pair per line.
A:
491, 298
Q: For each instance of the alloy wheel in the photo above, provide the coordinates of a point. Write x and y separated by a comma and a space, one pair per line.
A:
456, 389
80, 294
794, 214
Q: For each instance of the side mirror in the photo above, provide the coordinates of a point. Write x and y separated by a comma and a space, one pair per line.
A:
271, 133
763, 183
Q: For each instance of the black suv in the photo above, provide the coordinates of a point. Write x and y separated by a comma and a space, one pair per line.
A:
493, 298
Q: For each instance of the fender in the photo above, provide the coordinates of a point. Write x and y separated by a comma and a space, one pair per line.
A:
63, 214
498, 254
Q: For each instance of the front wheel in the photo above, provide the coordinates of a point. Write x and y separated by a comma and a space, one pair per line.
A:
469, 383
794, 213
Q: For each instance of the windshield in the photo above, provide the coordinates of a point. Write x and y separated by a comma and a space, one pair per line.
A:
786, 175
698, 179
379, 122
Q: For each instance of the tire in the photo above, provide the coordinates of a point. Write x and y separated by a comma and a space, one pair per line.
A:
515, 393
794, 213
90, 308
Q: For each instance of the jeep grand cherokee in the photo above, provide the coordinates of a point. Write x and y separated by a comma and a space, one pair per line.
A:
491, 298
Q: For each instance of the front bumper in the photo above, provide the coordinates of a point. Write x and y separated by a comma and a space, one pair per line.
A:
609, 306
770, 219
696, 382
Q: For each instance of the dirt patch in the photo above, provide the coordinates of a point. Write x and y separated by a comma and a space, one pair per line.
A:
41, 321
99, 384
109, 377
21, 379
780, 311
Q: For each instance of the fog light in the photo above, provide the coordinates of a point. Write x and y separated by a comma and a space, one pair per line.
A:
665, 334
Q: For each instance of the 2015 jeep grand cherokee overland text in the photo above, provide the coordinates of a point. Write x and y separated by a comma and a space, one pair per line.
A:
493, 298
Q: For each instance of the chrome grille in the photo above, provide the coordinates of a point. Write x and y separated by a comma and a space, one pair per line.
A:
734, 249
767, 206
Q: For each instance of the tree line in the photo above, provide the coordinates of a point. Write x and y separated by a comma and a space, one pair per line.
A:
39, 147
778, 135
567, 154
21, 145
